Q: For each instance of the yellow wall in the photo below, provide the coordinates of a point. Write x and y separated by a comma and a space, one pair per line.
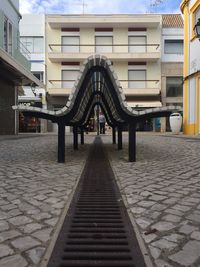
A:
188, 8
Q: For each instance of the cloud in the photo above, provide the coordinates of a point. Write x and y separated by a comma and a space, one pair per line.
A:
98, 6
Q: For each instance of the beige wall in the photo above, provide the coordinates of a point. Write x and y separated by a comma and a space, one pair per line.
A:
120, 36
87, 36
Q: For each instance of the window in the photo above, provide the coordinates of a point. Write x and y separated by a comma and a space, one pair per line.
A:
8, 42
33, 44
103, 44
137, 44
173, 47
137, 79
39, 75
70, 44
69, 77
174, 87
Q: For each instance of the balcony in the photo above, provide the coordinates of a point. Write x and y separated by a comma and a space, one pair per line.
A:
115, 52
144, 88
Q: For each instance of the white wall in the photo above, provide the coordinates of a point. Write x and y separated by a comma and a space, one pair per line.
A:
171, 34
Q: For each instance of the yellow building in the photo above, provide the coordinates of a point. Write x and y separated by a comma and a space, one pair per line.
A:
191, 13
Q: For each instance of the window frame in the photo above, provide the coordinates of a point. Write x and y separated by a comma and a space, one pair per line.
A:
129, 82
172, 77
175, 40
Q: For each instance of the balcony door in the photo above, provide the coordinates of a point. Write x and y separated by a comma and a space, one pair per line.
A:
70, 44
137, 79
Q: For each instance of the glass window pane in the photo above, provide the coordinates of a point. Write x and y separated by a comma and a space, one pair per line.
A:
173, 46
174, 87
137, 79
5, 34
71, 44
38, 45
103, 44
134, 41
69, 77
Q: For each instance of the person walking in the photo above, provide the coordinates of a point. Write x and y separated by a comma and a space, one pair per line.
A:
102, 122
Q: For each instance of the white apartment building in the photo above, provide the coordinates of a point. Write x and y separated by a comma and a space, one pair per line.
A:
131, 42
32, 36
172, 63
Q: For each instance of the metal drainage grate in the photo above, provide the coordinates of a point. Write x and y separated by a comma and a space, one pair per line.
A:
97, 231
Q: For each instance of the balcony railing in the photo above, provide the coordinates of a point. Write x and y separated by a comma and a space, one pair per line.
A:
25, 52
107, 48
125, 84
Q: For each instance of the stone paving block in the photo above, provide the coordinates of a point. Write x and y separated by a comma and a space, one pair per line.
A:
195, 235
164, 244
36, 254
20, 220
9, 235
5, 251
194, 217
187, 229
3, 226
25, 243
155, 252
13, 261
29, 228
188, 255
163, 226
172, 218
43, 235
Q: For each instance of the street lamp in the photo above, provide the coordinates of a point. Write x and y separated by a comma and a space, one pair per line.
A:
197, 29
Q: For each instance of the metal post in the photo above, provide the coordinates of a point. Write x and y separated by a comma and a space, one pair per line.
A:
82, 136
119, 137
75, 135
132, 142
113, 135
98, 130
61, 142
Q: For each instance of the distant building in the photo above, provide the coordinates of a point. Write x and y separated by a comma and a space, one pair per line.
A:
131, 42
32, 33
172, 63
191, 13
14, 66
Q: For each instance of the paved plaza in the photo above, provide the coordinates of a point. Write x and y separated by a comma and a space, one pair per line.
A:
161, 191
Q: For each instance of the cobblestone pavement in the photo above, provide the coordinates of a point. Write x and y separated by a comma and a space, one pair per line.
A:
162, 190
34, 190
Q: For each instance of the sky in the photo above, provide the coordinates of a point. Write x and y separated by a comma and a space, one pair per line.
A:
99, 6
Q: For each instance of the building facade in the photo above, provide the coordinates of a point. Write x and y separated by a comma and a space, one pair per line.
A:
172, 63
131, 42
32, 36
191, 13
14, 66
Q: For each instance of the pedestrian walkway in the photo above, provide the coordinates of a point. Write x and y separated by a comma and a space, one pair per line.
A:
97, 231
161, 191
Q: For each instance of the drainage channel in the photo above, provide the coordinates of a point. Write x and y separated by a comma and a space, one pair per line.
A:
97, 231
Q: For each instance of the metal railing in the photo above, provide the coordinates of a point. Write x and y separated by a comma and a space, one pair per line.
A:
126, 84
25, 52
107, 48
